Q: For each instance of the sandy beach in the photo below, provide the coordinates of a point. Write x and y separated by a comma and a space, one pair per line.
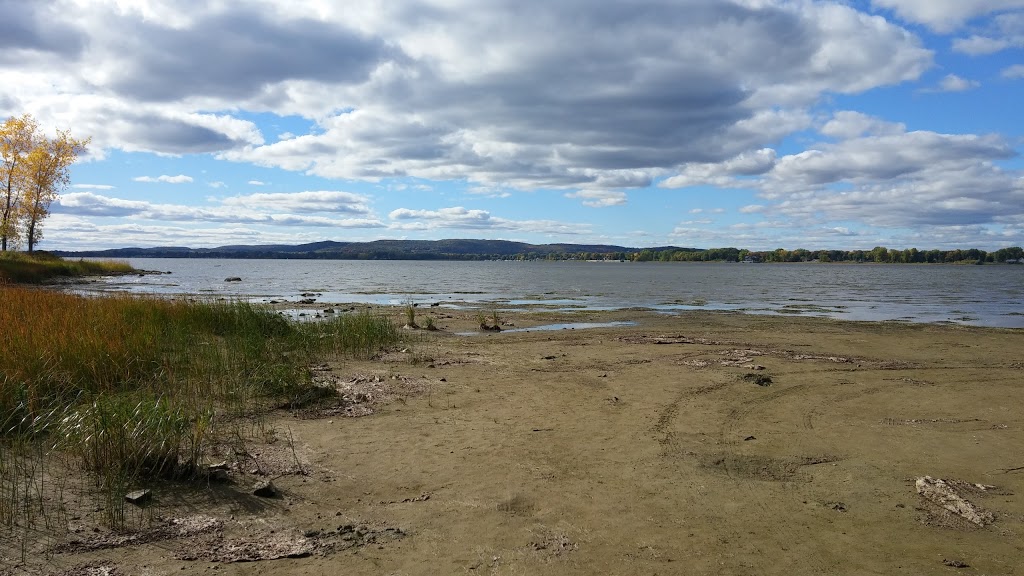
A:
702, 443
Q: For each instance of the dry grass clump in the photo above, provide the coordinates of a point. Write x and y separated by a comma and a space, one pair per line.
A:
39, 267
132, 388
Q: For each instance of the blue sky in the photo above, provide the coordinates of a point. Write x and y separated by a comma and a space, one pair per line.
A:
706, 123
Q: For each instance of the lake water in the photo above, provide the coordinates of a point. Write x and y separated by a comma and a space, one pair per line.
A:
975, 295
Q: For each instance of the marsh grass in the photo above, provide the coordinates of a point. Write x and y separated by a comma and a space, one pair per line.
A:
410, 314
136, 389
40, 267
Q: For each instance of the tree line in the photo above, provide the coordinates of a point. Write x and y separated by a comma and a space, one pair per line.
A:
878, 254
34, 169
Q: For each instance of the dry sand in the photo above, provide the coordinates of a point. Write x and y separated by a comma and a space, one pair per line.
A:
650, 449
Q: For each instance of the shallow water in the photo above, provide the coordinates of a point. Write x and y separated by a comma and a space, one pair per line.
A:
989, 295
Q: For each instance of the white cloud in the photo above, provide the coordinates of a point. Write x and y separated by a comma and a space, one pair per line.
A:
723, 174
880, 175
1004, 31
231, 211
980, 45
77, 233
668, 86
954, 83
179, 179
93, 186
460, 218
218, 184
846, 124
903, 181
1015, 71
312, 201
946, 15
599, 198
256, 183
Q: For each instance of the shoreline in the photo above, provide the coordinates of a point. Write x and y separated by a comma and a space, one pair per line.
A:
633, 449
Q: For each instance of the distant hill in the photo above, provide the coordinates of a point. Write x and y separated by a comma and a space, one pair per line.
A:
376, 250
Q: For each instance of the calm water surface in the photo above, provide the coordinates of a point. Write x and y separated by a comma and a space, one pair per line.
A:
976, 295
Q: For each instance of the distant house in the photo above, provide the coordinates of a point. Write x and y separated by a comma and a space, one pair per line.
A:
1017, 261
752, 260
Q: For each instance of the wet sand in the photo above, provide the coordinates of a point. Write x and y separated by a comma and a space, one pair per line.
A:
704, 443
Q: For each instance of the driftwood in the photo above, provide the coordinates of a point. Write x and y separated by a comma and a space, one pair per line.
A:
946, 495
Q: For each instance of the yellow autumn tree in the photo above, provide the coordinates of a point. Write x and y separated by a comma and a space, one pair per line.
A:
17, 138
47, 170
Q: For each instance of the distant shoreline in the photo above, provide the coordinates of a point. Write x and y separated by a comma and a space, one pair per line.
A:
468, 250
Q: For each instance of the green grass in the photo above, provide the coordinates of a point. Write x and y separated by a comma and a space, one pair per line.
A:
132, 388
40, 267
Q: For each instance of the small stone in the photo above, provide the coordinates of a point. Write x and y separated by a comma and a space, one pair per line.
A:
138, 497
265, 489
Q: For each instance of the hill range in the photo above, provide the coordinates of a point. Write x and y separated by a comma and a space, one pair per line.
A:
376, 250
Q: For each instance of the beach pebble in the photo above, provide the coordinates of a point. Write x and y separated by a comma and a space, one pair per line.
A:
265, 489
138, 497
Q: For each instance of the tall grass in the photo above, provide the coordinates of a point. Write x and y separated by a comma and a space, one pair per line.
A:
39, 267
136, 388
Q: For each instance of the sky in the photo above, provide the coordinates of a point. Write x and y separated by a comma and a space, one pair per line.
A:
701, 123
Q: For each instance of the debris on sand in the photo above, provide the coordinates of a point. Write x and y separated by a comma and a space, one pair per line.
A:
162, 529
138, 497
290, 544
265, 489
946, 495
759, 379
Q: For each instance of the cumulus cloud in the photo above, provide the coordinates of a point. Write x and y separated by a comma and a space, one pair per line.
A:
599, 198
257, 183
980, 45
723, 174
528, 96
312, 201
89, 204
27, 29
1004, 31
179, 179
879, 174
907, 180
78, 233
946, 15
846, 124
460, 218
954, 83
523, 94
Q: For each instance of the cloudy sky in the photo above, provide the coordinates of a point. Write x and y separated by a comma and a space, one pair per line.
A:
706, 123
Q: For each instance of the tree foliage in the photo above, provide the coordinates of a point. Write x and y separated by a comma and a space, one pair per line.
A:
34, 171
17, 138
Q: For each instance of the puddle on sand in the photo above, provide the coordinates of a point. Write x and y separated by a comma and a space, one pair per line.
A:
551, 327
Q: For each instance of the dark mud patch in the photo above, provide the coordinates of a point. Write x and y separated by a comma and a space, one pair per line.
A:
163, 529
259, 546
764, 468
